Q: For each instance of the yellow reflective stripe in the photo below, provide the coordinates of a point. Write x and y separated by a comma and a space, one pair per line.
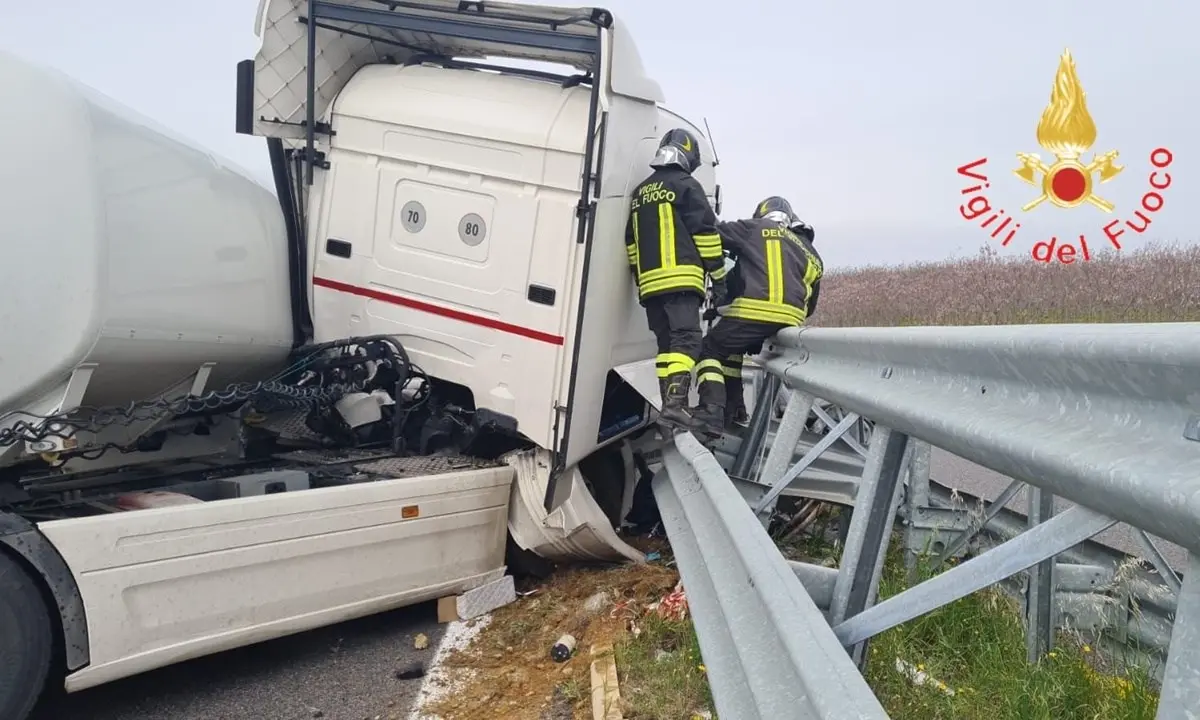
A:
763, 311
736, 359
674, 358
719, 273
679, 271
709, 246
646, 288
673, 364
774, 272
812, 273
765, 306
733, 372
664, 286
634, 257
666, 235
763, 317
710, 371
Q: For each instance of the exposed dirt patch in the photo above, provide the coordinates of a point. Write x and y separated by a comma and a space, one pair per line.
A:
507, 673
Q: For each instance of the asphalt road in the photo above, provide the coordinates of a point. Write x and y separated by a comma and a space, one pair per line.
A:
955, 472
343, 672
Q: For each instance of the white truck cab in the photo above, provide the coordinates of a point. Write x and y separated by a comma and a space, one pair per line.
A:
235, 416
475, 211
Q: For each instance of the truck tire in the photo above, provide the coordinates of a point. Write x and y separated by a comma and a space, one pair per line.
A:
524, 564
26, 641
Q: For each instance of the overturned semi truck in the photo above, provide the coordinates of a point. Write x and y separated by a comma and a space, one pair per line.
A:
227, 414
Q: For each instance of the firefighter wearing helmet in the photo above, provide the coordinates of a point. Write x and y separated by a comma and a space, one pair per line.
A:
672, 243
778, 277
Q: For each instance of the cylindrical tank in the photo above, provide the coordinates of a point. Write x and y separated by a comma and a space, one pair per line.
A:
124, 247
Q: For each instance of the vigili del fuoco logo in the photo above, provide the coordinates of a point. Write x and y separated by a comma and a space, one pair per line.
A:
1068, 180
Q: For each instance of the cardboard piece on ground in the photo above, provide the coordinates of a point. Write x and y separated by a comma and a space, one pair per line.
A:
448, 609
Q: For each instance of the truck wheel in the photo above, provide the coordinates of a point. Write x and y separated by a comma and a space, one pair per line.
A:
524, 564
26, 641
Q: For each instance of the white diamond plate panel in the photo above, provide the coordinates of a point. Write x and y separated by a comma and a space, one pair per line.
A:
486, 598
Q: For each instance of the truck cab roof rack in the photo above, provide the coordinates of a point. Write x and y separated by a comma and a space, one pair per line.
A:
337, 38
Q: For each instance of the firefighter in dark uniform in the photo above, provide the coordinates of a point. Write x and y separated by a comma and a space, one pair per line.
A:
672, 243
778, 278
736, 417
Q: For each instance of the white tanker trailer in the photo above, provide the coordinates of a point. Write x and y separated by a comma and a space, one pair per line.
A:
228, 415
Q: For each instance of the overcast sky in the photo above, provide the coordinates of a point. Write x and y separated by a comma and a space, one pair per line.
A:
857, 111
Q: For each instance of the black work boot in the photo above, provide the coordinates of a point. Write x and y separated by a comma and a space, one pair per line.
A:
710, 415
736, 417
674, 391
710, 419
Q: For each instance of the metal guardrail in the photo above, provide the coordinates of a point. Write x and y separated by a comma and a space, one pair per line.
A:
1105, 416
769, 652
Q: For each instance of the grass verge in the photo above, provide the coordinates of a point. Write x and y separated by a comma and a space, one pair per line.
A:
662, 674
972, 654
966, 660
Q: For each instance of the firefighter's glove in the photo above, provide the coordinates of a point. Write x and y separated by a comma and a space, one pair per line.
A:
710, 314
719, 294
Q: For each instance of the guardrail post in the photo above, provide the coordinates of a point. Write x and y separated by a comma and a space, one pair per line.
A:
918, 496
870, 528
787, 437
1039, 587
767, 386
1181, 681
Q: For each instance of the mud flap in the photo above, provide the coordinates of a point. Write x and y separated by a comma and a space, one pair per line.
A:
577, 529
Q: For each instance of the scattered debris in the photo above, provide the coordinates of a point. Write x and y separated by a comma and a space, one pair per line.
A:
596, 603
606, 693
673, 605
421, 641
412, 672
563, 649
506, 673
918, 676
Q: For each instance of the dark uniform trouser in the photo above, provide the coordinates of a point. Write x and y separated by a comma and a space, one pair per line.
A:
674, 318
722, 353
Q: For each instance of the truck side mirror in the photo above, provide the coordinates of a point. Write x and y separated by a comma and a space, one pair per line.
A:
245, 97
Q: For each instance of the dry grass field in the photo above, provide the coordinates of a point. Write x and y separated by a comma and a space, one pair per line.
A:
1156, 284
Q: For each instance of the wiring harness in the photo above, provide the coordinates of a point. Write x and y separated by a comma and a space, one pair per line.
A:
319, 377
